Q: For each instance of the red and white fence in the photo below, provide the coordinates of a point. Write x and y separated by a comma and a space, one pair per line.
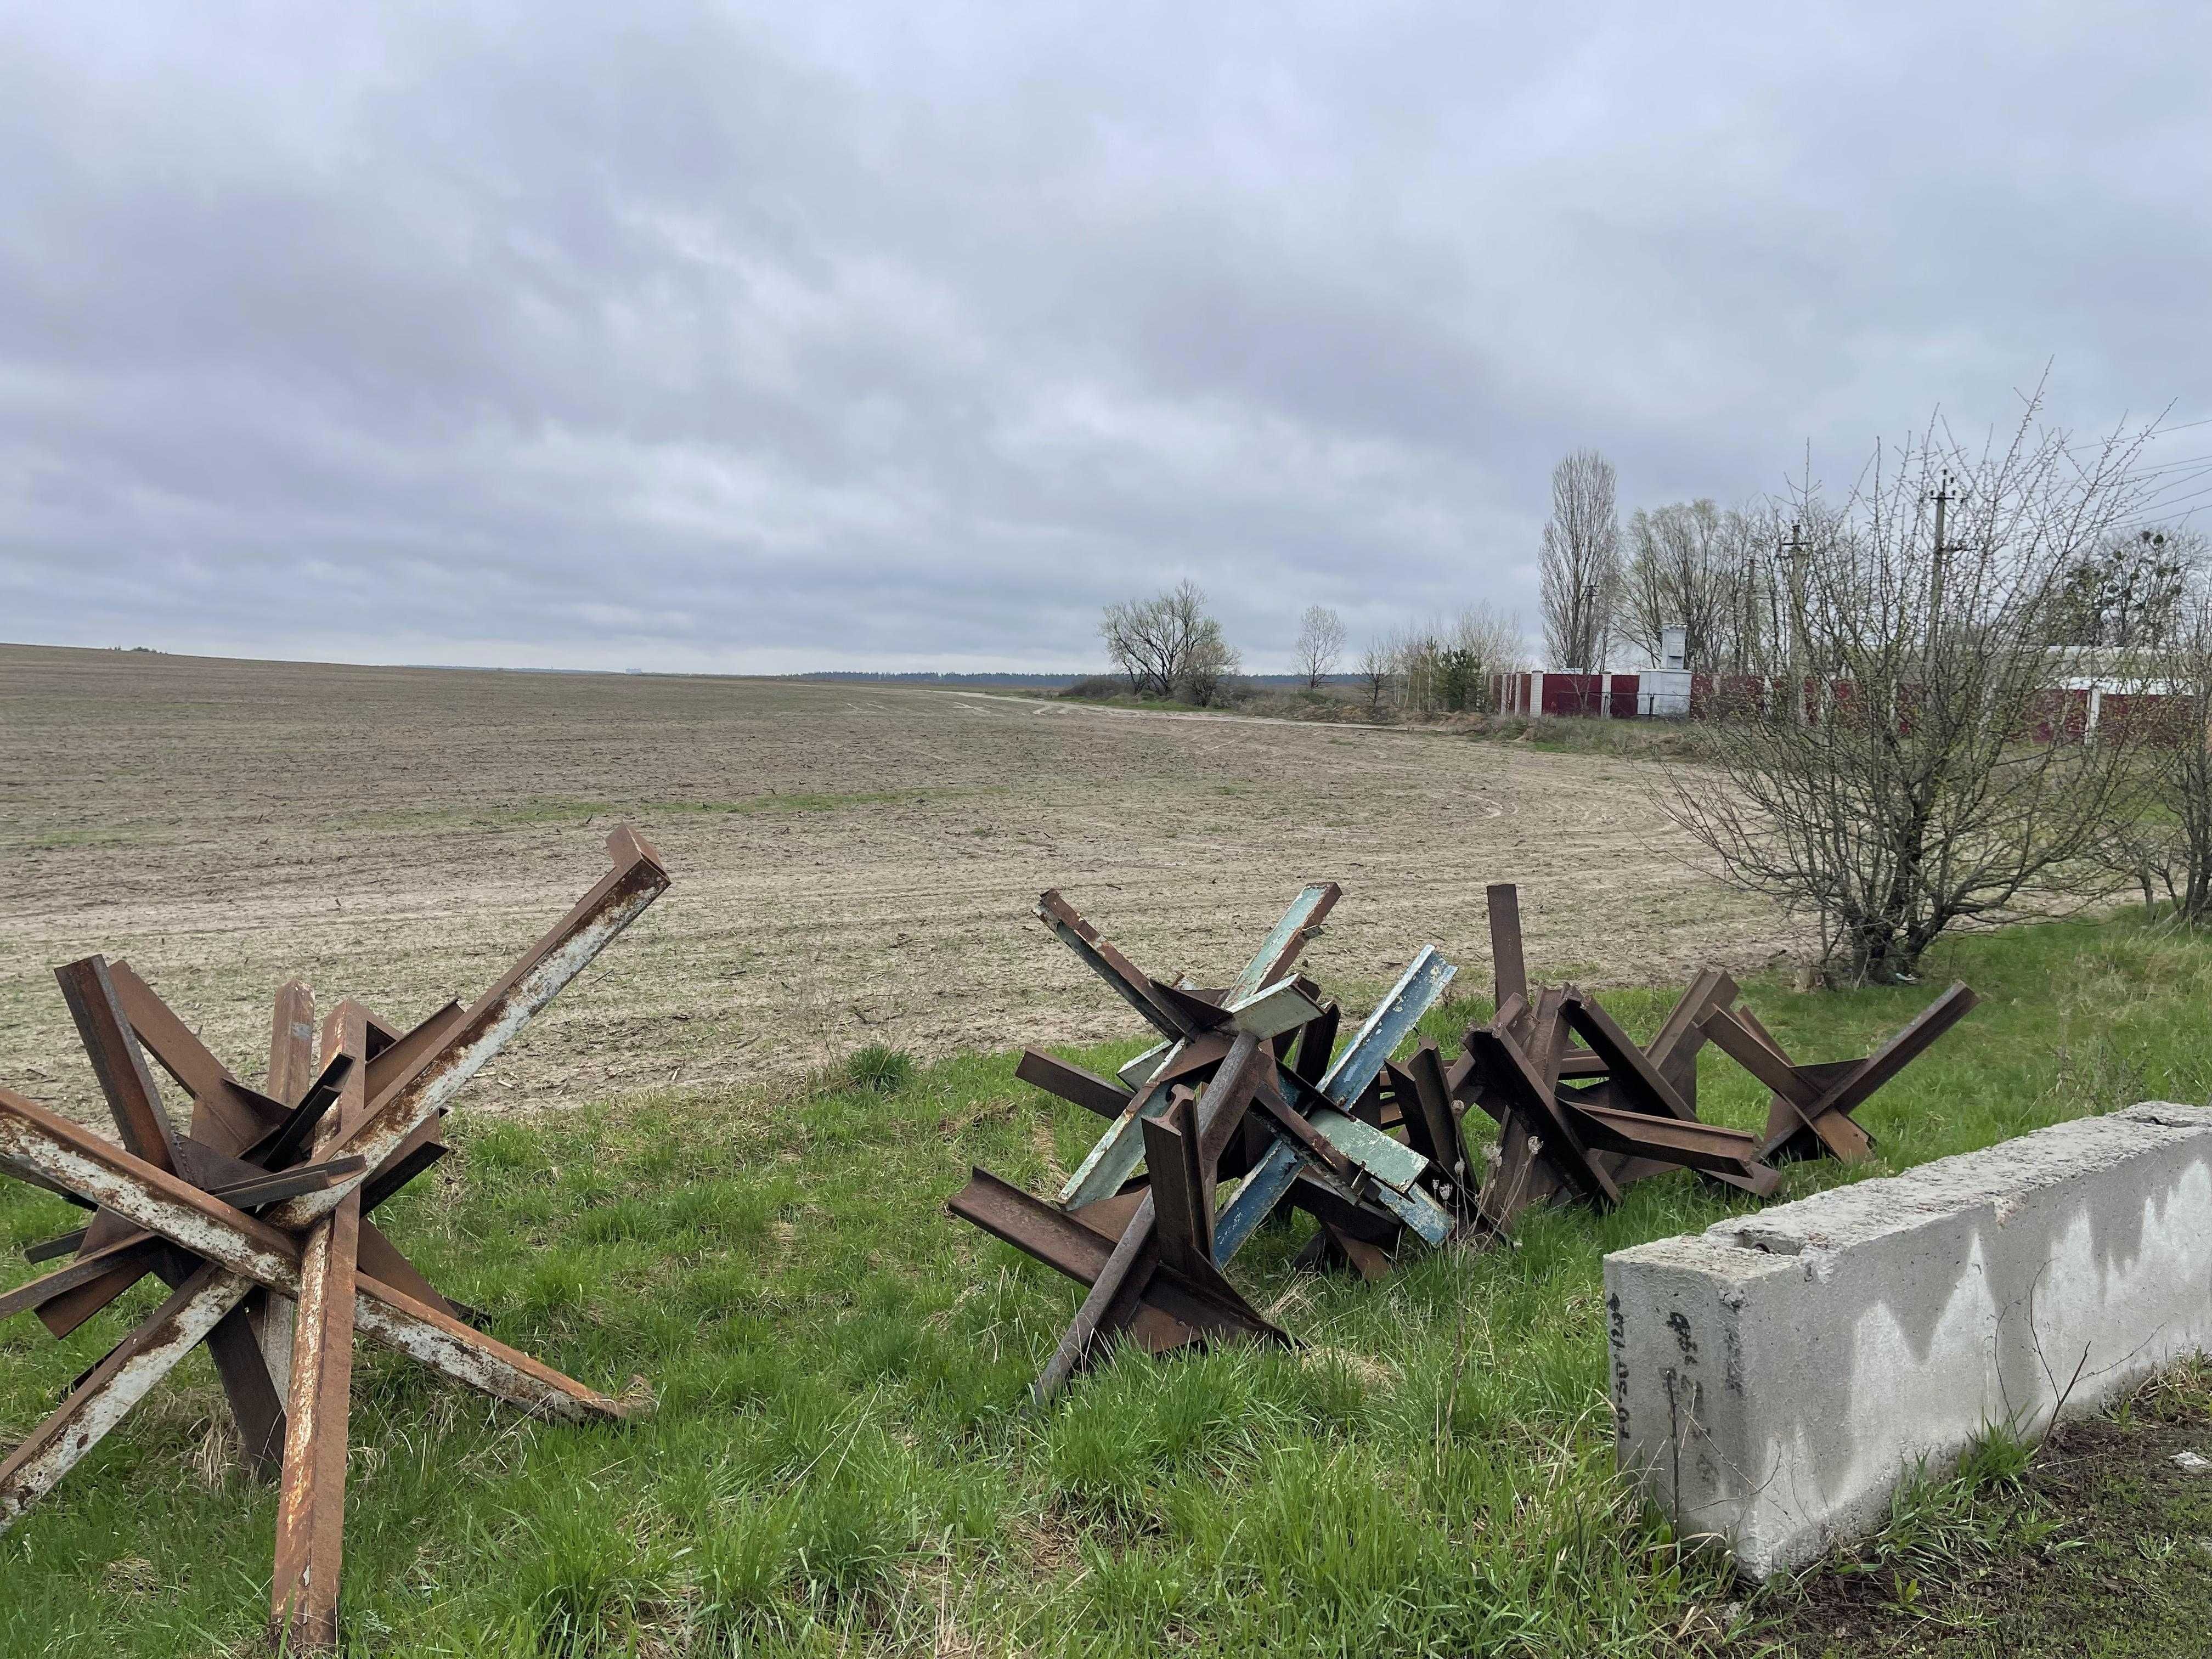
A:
2064, 714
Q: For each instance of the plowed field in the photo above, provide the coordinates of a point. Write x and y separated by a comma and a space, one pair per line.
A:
852, 866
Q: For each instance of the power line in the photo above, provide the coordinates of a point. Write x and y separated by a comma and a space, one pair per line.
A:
2162, 432
2167, 489
2168, 466
2165, 511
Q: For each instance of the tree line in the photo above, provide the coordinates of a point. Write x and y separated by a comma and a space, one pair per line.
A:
1732, 578
1909, 752
1170, 647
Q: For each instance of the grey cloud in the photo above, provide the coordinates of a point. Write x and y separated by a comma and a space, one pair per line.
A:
699, 337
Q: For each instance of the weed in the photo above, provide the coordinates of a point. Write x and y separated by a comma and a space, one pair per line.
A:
879, 1070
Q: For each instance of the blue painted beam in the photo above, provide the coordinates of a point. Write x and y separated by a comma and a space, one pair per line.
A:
1390, 1025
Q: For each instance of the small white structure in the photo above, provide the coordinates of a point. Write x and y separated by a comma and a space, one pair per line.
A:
1775, 1377
1664, 691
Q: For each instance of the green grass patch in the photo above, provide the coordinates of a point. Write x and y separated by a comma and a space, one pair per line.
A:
841, 1459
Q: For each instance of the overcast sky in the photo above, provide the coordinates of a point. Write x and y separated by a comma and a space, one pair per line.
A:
770, 337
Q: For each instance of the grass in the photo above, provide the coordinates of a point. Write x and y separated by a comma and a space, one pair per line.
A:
841, 1460
2092, 1543
1628, 739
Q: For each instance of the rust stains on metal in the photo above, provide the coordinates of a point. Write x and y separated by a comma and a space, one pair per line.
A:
1374, 1148
257, 1215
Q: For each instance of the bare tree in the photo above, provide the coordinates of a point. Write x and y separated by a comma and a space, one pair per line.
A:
2162, 840
1709, 572
1207, 668
1378, 669
1418, 660
1446, 667
1320, 642
1752, 552
1906, 794
1581, 563
1493, 636
1482, 641
2127, 592
1678, 576
1167, 645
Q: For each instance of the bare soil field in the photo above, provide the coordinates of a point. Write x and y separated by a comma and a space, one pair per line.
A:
852, 865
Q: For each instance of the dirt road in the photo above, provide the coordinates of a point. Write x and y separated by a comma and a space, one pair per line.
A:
852, 865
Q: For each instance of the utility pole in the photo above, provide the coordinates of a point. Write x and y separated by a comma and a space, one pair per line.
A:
1793, 644
1943, 500
1586, 637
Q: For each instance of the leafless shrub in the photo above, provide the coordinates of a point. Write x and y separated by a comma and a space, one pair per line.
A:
1918, 774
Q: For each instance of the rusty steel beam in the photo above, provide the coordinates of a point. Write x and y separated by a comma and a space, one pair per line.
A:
1171, 1311
145, 1194
291, 1042
291, 1074
128, 1249
1424, 1097
1795, 1095
1130, 1265
303, 1595
1183, 1205
1509, 967
1062, 1242
117, 1061
228, 1117
221, 1114
1530, 1094
1694, 1145
1110, 966
176, 1211
1631, 1069
1072, 1083
115, 1385
251, 1252
417, 1097
405, 1052
295, 1131
138, 1252
1903, 1048
1317, 1044
467, 1355
182, 1205
1674, 1049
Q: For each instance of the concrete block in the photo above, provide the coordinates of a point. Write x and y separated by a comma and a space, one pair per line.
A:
1775, 1376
